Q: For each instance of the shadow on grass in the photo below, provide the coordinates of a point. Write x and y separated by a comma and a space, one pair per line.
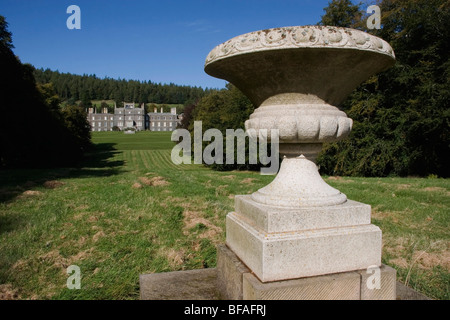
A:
97, 163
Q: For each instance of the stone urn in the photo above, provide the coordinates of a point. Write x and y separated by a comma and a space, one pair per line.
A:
297, 77
299, 226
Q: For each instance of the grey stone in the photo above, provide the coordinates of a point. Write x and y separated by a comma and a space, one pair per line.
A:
229, 275
291, 255
384, 290
341, 286
271, 219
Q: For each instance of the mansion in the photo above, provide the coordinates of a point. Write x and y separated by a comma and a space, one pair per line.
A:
131, 117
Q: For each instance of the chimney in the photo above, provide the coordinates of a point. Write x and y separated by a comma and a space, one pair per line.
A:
173, 110
155, 110
161, 109
105, 110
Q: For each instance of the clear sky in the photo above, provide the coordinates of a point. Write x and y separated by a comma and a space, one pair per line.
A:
163, 41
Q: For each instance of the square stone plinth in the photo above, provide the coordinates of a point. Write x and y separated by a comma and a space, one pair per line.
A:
235, 281
290, 255
271, 219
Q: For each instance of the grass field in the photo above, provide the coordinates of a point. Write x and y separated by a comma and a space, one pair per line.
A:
129, 210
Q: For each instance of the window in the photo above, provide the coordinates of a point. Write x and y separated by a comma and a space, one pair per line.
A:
93, 118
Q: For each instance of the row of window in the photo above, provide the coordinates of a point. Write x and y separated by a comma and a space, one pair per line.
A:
112, 118
130, 112
105, 124
163, 118
164, 124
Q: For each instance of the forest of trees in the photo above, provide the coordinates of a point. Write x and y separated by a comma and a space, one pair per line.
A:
401, 116
72, 88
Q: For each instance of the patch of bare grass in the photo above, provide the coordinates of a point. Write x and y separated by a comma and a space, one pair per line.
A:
32, 193
193, 219
175, 258
7, 292
248, 180
154, 182
53, 184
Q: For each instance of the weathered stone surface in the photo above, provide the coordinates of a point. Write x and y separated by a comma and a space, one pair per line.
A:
327, 62
298, 184
229, 275
385, 289
290, 255
272, 219
341, 286
351, 285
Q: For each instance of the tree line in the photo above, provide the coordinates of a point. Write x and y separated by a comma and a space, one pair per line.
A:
72, 88
401, 117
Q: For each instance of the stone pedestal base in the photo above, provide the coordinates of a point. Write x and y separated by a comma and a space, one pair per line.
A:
236, 282
282, 243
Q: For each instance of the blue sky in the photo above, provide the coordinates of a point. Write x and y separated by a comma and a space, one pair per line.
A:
161, 41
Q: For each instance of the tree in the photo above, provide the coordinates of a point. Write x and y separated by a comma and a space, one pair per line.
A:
5, 35
340, 13
225, 109
401, 116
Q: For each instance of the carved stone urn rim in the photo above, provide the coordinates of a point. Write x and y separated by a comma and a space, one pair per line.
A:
308, 36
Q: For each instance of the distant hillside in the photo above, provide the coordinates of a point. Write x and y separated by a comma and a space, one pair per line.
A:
72, 88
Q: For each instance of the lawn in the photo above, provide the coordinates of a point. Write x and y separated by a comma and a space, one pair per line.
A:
129, 210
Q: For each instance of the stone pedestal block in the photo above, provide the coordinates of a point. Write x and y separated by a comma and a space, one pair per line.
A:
236, 282
279, 244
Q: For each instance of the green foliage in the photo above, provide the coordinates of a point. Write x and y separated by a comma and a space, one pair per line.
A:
340, 13
75, 119
90, 87
5, 35
224, 109
401, 116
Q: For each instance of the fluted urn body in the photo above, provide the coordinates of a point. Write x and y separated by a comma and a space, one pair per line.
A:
297, 77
